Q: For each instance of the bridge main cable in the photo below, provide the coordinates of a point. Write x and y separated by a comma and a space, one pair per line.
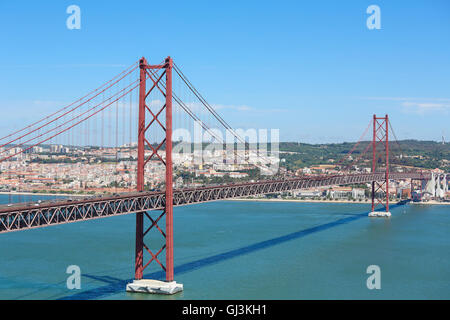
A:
73, 125
68, 106
198, 120
56, 119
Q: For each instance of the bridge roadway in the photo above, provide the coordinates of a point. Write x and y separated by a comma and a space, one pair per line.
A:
21, 216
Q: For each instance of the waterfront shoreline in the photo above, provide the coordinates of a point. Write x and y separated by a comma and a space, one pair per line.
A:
46, 194
332, 201
431, 202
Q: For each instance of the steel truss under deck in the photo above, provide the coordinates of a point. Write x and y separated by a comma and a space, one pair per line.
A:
30, 216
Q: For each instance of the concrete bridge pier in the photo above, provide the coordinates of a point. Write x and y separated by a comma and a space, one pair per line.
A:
154, 286
385, 214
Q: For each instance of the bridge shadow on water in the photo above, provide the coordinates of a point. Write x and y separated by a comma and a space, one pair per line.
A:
115, 285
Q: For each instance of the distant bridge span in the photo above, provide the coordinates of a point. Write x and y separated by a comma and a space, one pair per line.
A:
24, 216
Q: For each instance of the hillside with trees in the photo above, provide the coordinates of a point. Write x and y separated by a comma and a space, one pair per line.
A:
422, 154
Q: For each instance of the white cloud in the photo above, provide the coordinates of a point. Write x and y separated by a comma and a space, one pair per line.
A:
407, 99
424, 107
418, 105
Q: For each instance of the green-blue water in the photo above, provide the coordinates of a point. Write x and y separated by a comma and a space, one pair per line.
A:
242, 250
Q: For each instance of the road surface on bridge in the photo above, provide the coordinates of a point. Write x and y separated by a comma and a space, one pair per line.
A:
23, 216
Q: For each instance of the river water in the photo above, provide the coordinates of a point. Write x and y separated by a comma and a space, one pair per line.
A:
242, 250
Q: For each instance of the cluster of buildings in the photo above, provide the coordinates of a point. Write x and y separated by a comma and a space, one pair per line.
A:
61, 169
435, 189
335, 193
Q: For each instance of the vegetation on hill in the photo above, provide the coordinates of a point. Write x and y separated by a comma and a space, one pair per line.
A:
423, 154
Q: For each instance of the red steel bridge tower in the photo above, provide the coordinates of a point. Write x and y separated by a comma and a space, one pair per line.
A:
156, 73
380, 149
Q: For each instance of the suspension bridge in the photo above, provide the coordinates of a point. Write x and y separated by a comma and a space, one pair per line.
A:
106, 122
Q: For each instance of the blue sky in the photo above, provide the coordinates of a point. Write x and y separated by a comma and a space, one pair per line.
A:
309, 68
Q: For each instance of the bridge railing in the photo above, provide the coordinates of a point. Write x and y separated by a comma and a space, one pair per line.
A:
35, 215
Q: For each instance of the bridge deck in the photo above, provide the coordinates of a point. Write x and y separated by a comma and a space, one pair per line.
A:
36, 215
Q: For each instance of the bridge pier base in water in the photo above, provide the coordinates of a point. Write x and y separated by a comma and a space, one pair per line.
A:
386, 214
154, 286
